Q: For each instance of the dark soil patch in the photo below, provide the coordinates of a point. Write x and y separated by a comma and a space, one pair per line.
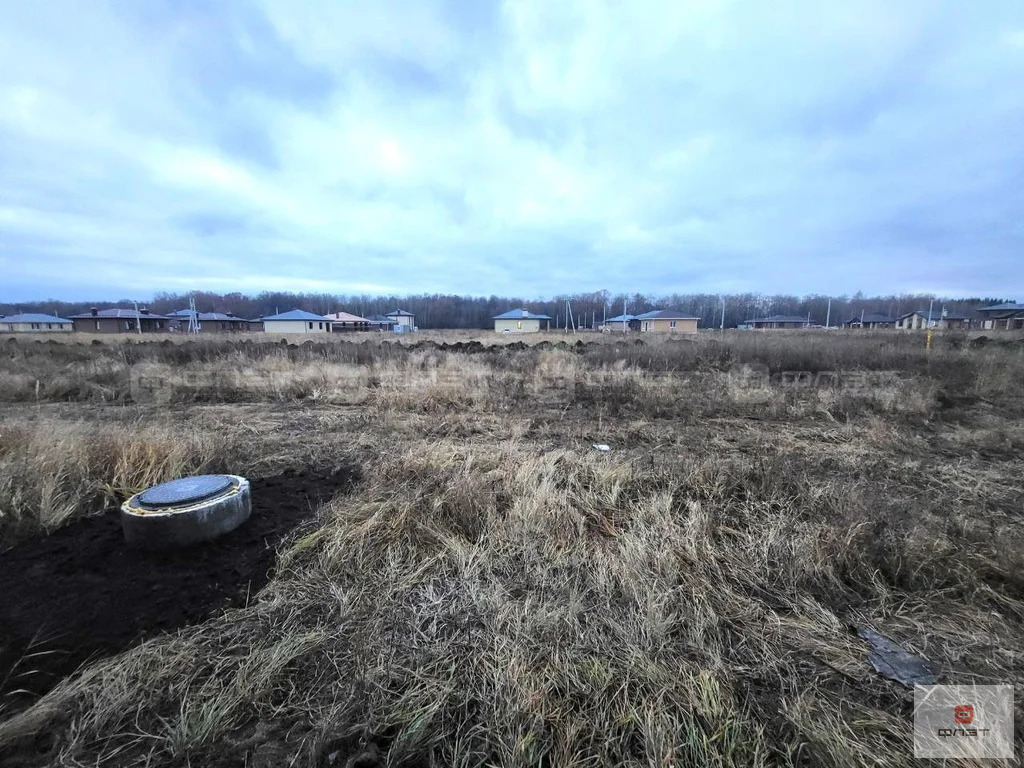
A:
81, 593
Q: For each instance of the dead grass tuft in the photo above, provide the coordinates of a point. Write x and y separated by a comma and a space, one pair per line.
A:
50, 475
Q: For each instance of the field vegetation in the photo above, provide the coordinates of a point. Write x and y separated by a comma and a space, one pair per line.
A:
496, 591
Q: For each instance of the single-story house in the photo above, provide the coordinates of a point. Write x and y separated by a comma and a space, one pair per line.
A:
296, 321
954, 320
405, 320
777, 322
918, 319
215, 322
121, 321
621, 323
34, 323
346, 322
870, 320
380, 323
1007, 316
520, 321
667, 321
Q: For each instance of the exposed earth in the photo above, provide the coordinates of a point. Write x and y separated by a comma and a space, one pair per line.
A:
82, 594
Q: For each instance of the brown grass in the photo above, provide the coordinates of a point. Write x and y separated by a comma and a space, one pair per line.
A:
52, 472
498, 593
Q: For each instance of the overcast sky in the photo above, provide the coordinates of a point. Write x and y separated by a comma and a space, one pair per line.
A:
528, 147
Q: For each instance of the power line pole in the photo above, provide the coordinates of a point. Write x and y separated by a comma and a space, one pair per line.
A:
193, 317
828, 315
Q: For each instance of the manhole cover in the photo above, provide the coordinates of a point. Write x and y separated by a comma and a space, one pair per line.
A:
186, 490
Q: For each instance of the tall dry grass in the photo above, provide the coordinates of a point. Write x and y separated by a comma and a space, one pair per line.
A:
54, 471
229, 370
510, 607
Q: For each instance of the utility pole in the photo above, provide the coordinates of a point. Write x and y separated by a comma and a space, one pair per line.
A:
138, 317
930, 305
625, 326
722, 327
828, 315
193, 317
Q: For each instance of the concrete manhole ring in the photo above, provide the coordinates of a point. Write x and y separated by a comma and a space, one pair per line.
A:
186, 511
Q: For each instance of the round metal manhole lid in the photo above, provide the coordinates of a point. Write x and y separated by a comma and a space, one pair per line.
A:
186, 490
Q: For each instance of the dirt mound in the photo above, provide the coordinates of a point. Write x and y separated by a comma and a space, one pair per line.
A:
80, 593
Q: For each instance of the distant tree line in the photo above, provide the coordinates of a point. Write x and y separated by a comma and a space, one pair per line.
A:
449, 311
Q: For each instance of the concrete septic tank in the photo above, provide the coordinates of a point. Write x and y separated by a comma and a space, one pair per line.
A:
186, 511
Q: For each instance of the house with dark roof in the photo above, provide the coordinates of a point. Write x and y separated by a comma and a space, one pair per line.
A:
1008, 316
406, 321
521, 321
121, 321
623, 322
777, 322
31, 322
870, 320
296, 321
667, 321
214, 322
380, 322
920, 319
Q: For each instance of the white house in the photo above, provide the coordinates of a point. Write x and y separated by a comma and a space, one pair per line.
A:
520, 321
405, 320
919, 319
33, 323
620, 323
296, 321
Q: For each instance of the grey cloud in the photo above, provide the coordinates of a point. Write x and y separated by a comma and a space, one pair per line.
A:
486, 148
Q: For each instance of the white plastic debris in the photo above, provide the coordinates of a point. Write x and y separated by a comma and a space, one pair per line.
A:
602, 447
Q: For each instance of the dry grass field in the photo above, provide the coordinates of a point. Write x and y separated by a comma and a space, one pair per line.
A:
490, 589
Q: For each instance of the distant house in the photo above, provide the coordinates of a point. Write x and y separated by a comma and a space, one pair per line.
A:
919, 319
667, 321
405, 320
621, 323
870, 320
777, 322
521, 321
296, 321
180, 316
34, 323
346, 322
120, 321
380, 322
214, 322
1007, 316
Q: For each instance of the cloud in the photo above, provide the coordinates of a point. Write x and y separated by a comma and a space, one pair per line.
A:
527, 147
